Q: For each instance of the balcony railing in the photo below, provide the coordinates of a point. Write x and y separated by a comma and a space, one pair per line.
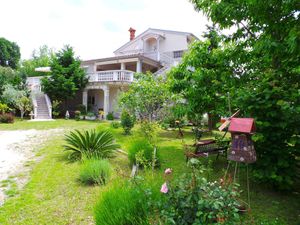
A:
111, 76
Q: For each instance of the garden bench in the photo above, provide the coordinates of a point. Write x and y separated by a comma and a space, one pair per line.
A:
204, 148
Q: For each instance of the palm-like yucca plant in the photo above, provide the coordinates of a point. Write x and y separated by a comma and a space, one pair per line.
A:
90, 144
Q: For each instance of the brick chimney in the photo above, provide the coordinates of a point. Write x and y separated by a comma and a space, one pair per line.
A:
132, 33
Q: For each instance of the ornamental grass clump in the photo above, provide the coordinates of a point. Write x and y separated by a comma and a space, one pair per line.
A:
90, 144
122, 204
95, 171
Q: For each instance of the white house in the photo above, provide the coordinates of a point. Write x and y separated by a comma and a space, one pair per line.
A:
153, 50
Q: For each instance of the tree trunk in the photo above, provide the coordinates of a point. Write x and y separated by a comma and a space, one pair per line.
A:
210, 121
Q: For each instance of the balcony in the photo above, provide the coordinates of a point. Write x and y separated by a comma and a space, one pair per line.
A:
111, 76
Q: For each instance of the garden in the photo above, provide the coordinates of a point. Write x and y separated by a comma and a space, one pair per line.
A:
215, 140
62, 190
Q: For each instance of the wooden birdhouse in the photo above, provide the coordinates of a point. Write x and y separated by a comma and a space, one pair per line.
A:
242, 148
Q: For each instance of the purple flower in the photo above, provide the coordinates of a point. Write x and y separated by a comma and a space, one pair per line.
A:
168, 171
164, 188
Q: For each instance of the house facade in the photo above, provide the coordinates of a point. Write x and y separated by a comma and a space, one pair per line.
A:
154, 50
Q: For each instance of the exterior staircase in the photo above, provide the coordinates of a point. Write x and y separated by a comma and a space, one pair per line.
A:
42, 107
162, 71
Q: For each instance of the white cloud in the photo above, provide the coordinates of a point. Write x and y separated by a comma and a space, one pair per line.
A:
95, 28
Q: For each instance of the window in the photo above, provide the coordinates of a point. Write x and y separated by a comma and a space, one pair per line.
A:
177, 54
91, 100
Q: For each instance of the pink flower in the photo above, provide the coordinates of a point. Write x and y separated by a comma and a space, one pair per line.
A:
168, 171
164, 188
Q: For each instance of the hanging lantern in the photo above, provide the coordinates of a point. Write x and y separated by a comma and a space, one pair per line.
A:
242, 147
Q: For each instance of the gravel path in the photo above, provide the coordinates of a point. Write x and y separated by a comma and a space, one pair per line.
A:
16, 148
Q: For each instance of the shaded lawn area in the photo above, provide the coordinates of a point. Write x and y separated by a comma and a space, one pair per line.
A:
53, 194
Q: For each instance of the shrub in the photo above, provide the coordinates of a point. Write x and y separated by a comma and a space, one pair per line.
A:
141, 151
122, 205
127, 121
194, 200
77, 115
82, 109
94, 171
6, 118
3, 108
115, 124
90, 144
110, 116
55, 108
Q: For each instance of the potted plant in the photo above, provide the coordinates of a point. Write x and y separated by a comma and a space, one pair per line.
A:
90, 116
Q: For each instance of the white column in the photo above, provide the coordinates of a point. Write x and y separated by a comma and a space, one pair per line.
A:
157, 49
106, 101
123, 66
85, 98
139, 66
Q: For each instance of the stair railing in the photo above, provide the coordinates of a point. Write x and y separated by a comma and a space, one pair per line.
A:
49, 105
34, 103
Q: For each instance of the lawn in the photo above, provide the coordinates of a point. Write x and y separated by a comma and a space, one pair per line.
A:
53, 194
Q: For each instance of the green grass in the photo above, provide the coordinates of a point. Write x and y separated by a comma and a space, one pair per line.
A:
45, 125
54, 195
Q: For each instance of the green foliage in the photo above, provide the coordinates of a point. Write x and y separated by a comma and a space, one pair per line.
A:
123, 205
4, 108
194, 200
6, 118
140, 152
115, 124
77, 115
205, 63
127, 121
67, 77
82, 109
40, 58
11, 95
95, 171
9, 76
146, 97
55, 108
110, 116
24, 105
258, 64
9, 53
150, 131
90, 144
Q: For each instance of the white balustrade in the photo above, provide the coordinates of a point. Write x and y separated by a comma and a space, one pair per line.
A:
111, 76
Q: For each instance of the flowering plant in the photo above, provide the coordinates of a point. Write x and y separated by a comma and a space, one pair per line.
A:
194, 200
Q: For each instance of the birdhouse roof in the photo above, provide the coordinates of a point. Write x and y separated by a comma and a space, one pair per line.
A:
242, 125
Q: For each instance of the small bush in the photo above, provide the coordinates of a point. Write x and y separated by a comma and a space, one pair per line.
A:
6, 118
122, 205
127, 121
95, 171
141, 151
192, 199
115, 124
55, 108
81, 108
4, 108
110, 116
77, 115
90, 144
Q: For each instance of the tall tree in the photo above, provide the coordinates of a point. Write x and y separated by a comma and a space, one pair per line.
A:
40, 58
267, 53
66, 76
9, 53
203, 77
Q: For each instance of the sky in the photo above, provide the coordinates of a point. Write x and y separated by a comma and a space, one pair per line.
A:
94, 28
